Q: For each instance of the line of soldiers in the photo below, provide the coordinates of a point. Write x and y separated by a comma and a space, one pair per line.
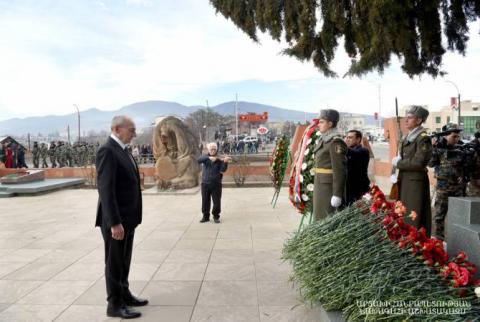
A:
63, 154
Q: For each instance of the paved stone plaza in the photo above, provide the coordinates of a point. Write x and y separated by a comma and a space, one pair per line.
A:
51, 259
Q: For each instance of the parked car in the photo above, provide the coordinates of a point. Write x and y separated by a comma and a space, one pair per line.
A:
249, 139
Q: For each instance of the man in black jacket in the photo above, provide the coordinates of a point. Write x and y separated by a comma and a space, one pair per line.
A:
212, 174
357, 167
119, 211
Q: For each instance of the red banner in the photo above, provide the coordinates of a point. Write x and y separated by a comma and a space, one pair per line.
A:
252, 117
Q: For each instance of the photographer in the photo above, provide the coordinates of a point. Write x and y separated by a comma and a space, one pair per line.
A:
474, 184
447, 161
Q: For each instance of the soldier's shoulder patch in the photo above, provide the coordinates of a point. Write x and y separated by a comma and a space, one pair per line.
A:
340, 148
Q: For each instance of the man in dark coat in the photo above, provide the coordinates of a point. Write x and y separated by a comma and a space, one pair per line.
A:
415, 153
330, 166
357, 167
213, 168
119, 212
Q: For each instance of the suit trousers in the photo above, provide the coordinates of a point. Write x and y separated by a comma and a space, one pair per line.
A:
211, 191
118, 255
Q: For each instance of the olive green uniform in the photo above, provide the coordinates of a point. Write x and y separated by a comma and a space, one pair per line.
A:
330, 173
414, 186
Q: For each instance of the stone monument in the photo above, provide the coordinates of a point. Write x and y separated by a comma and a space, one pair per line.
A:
463, 228
176, 150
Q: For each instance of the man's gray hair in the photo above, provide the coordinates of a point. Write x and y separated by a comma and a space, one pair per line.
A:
119, 120
212, 145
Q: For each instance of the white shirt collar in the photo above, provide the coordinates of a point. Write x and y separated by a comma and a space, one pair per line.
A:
122, 145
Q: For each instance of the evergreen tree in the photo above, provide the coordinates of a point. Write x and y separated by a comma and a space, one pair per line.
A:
371, 30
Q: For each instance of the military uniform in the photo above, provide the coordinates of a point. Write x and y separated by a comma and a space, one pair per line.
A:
43, 155
36, 155
474, 184
449, 173
414, 186
51, 154
330, 168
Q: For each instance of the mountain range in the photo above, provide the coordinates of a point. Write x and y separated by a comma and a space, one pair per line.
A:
144, 113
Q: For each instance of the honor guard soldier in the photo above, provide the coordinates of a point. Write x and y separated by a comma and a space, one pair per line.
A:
330, 166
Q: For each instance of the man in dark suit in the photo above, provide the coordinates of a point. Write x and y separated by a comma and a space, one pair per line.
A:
357, 167
119, 211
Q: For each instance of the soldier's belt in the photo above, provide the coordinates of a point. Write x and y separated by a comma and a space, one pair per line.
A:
323, 170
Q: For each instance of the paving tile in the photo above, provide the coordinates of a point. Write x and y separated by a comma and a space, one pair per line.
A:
166, 313
188, 255
81, 272
200, 234
268, 244
233, 244
157, 244
275, 270
38, 271
83, 313
24, 255
236, 293
181, 271
233, 271
297, 313
27, 312
3, 306
277, 294
11, 291
58, 292
231, 255
200, 244
203, 313
172, 292
9, 267
142, 271
149, 256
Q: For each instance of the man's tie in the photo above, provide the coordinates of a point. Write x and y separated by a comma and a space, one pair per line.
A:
130, 156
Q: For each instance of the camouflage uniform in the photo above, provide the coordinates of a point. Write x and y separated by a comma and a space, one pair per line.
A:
474, 184
36, 155
52, 154
43, 154
447, 164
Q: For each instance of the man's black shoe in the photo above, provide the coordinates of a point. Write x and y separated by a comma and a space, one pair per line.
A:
135, 301
204, 220
122, 312
217, 220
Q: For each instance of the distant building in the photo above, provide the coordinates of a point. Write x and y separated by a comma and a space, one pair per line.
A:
470, 113
351, 122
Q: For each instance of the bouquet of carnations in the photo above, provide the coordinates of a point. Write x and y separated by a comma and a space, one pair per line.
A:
368, 262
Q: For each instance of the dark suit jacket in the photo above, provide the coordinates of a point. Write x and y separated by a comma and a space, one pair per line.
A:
120, 197
357, 173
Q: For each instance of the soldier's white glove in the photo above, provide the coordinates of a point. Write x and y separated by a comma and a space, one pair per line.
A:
336, 201
395, 160
393, 178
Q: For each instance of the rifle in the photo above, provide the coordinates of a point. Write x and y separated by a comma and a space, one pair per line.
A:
394, 193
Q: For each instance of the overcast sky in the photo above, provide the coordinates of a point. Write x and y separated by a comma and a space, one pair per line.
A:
108, 54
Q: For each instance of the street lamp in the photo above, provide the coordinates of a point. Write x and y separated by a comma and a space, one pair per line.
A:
459, 108
78, 116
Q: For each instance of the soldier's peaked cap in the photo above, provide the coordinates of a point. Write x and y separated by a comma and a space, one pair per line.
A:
419, 112
330, 115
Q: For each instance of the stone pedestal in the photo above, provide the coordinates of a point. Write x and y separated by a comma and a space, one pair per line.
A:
463, 228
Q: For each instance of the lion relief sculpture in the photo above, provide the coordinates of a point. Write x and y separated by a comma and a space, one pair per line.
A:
176, 151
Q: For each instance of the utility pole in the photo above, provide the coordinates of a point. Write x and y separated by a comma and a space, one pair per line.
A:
68, 133
236, 115
459, 104
78, 116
